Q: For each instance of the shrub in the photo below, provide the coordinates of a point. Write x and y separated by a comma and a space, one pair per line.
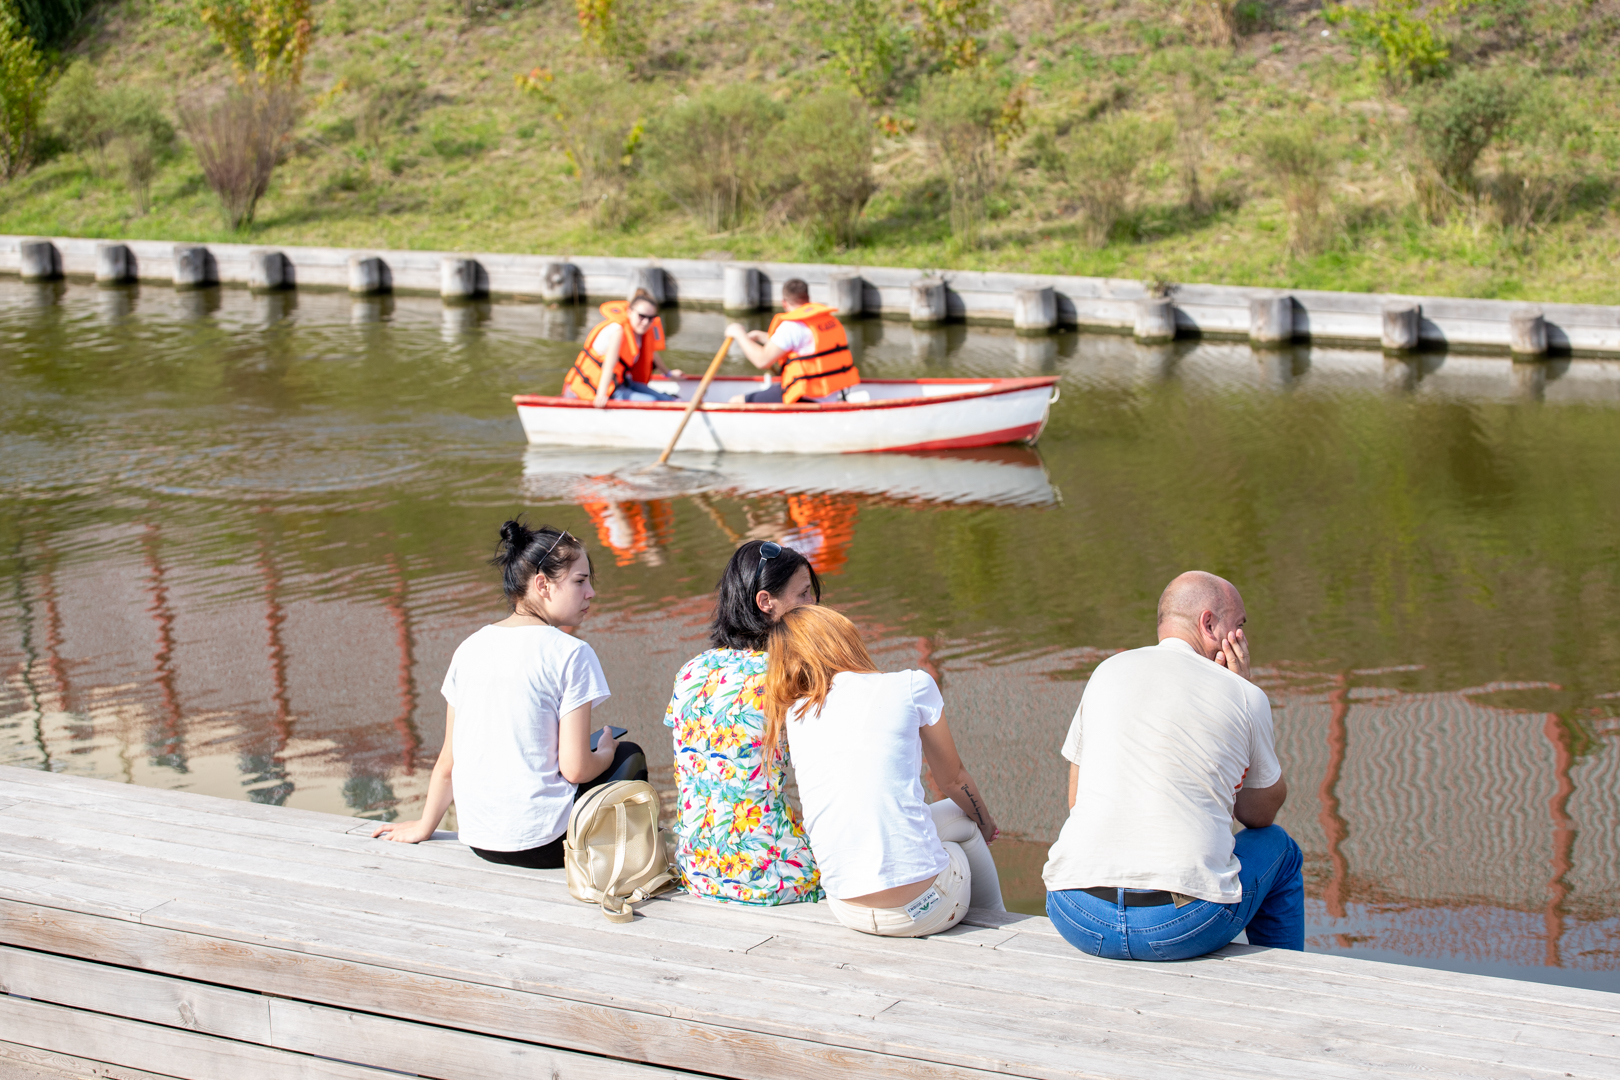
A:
1457, 120
142, 138
950, 29
238, 136
1101, 166
709, 154
1296, 161
828, 137
1401, 42
613, 28
865, 39
382, 102
266, 40
961, 115
599, 124
23, 89
80, 114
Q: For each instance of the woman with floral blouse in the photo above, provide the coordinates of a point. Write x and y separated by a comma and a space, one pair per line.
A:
738, 839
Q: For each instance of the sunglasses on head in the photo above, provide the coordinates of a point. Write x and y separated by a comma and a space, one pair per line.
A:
770, 549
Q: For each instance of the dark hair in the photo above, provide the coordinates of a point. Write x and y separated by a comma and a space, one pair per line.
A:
795, 289
524, 552
738, 622
638, 296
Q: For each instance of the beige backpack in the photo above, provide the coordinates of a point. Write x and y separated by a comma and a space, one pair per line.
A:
614, 852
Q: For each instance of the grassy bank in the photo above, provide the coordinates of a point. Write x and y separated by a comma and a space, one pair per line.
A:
414, 135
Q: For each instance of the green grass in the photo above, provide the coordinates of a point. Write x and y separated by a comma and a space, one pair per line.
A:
474, 168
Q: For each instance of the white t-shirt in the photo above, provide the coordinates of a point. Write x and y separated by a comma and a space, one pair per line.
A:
859, 765
1168, 738
510, 686
794, 339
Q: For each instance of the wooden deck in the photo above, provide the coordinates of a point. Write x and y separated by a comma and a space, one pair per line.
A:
185, 936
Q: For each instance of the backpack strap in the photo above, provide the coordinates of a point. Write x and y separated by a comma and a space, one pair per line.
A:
616, 908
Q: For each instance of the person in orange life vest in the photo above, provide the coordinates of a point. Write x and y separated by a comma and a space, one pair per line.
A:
808, 343
632, 335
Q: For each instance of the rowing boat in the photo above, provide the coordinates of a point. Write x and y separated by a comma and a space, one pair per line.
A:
897, 414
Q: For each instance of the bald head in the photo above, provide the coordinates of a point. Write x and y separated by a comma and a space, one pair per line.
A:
1200, 609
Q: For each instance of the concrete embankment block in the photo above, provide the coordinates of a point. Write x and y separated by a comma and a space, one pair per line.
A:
1035, 310
1155, 319
560, 283
848, 294
38, 260
461, 279
268, 271
1527, 334
928, 302
369, 276
740, 289
1271, 320
115, 264
1401, 321
193, 269
651, 278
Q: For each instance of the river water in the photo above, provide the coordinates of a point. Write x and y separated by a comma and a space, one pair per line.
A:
240, 537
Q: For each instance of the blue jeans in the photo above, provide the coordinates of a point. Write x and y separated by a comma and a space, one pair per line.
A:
1272, 910
631, 390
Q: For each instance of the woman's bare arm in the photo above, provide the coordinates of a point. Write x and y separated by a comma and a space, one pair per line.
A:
945, 764
439, 794
575, 758
607, 349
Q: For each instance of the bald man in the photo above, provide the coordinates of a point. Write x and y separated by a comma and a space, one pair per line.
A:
1170, 755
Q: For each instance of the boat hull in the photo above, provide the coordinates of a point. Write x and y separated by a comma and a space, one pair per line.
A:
914, 415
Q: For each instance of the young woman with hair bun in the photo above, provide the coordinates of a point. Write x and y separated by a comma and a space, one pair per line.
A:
893, 864
517, 749
737, 837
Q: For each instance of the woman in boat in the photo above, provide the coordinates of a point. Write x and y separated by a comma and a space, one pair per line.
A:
619, 355
892, 864
517, 732
737, 837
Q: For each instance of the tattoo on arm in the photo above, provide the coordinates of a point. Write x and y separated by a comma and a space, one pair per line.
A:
978, 812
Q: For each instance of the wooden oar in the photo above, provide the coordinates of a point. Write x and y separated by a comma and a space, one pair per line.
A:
697, 399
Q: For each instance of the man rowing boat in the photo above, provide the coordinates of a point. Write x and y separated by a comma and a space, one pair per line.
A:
808, 343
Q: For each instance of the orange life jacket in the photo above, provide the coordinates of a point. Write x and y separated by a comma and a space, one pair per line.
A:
583, 377
829, 368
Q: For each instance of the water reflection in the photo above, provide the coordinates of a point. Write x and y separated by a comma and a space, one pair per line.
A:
241, 543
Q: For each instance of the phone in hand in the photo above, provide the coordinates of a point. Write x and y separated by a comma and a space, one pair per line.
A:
618, 733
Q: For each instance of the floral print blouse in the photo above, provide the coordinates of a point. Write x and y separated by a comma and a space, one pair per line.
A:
738, 839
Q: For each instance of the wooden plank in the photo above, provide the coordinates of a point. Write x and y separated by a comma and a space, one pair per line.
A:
1211, 1034
56, 1064
168, 1051
1010, 988
108, 791
378, 1042
421, 993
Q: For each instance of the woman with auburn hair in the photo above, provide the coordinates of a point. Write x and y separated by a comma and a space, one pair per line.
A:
737, 838
891, 863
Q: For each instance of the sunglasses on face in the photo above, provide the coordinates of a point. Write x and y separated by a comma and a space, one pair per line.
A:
642, 315
767, 551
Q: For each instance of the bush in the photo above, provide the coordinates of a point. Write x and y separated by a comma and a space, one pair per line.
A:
266, 40
614, 29
950, 30
23, 89
1401, 42
142, 138
238, 136
961, 115
1301, 167
599, 124
709, 154
865, 40
1457, 120
80, 114
382, 103
49, 22
1101, 166
828, 137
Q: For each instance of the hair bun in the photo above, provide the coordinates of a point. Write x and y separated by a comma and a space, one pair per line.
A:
516, 534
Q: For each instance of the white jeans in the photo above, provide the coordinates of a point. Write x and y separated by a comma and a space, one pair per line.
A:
969, 880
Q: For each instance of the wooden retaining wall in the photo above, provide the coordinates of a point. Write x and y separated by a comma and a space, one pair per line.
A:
1100, 303
157, 932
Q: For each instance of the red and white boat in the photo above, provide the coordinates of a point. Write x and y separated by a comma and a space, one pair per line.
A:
899, 414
